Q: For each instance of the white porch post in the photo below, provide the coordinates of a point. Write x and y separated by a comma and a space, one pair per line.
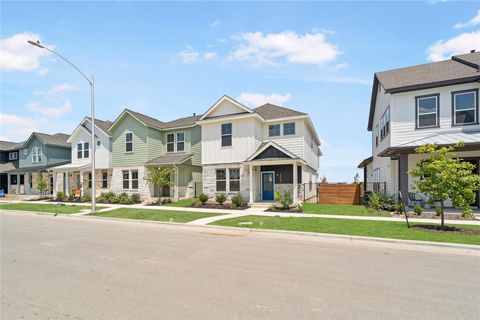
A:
54, 191
9, 188
250, 171
295, 183
175, 192
18, 183
81, 182
66, 177
27, 183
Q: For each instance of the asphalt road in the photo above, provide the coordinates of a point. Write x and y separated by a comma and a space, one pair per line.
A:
79, 268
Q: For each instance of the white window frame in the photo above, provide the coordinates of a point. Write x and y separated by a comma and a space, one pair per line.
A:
224, 180
105, 179
474, 108
80, 150
128, 142
36, 154
436, 113
86, 150
13, 156
123, 179
377, 135
385, 124
230, 181
171, 142
132, 179
376, 175
179, 141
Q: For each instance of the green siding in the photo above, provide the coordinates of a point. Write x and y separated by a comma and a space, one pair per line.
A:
196, 146
140, 151
155, 143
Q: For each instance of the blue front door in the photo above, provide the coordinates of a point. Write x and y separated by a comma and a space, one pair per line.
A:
267, 186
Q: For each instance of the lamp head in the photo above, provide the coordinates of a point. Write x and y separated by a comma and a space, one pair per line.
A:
36, 44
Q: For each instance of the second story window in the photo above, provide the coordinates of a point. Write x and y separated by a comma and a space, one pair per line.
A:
83, 150
288, 128
465, 107
427, 111
79, 150
180, 141
226, 134
274, 130
129, 142
170, 142
385, 124
13, 156
36, 154
376, 136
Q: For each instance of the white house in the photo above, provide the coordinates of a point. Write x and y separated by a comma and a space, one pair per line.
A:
256, 152
77, 174
433, 103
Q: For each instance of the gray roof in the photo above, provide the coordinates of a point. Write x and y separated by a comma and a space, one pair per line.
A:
37, 168
4, 167
57, 139
365, 162
182, 122
170, 159
271, 111
8, 145
149, 121
472, 59
102, 124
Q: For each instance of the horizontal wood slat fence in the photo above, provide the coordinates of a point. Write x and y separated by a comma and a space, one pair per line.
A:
333, 193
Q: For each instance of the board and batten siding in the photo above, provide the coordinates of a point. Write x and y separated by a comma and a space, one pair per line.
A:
103, 155
403, 114
139, 155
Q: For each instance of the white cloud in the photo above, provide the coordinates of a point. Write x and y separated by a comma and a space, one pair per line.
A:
285, 47
253, 100
463, 43
189, 55
209, 55
15, 128
57, 89
52, 112
215, 23
470, 23
17, 55
339, 66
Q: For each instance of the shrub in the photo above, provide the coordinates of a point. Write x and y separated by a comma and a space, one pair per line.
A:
101, 198
387, 202
86, 198
166, 200
61, 196
114, 199
221, 198
136, 198
109, 196
284, 198
438, 211
203, 198
237, 200
418, 209
399, 208
196, 203
124, 199
374, 202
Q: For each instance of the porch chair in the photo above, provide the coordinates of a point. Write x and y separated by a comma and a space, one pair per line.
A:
415, 198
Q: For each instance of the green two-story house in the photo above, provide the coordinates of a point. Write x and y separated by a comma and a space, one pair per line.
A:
140, 143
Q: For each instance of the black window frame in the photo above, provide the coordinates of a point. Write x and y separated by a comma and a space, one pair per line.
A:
180, 142
222, 181
285, 131
170, 143
127, 143
270, 130
235, 181
476, 108
104, 179
226, 138
417, 106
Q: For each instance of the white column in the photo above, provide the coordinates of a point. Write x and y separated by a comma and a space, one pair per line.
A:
67, 183
27, 183
18, 183
295, 183
81, 182
8, 183
54, 191
250, 171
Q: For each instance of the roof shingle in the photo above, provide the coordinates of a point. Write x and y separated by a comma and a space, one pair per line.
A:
8, 145
271, 111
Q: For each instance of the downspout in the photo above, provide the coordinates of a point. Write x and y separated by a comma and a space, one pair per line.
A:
176, 182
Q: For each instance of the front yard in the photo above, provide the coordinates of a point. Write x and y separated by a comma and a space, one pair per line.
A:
154, 215
50, 208
342, 209
380, 229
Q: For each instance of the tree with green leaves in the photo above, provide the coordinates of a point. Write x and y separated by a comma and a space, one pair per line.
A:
160, 177
442, 175
42, 186
356, 178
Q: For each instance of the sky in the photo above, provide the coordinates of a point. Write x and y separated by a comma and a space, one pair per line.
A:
170, 60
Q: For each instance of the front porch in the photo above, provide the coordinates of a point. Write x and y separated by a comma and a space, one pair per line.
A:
76, 179
24, 181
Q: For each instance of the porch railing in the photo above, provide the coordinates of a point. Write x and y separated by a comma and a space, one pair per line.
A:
376, 187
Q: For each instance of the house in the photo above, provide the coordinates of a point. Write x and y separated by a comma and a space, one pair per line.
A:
36, 156
140, 143
434, 103
77, 175
8, 162
256, 152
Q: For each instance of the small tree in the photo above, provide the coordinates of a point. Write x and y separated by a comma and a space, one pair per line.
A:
160, 177
356, 178
442, 175
323, 179
42, 187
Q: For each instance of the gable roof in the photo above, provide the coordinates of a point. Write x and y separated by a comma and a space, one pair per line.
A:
57, 139
157, 124
8, 145
102, 124
266, 145
231, 100
459, 69
147, 120
271, 111
182, 122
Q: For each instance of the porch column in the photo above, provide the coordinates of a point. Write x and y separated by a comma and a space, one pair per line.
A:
403, 176
66, 182
27, 183
81, 182
175, 192
8, 183
54, 191
18, 183
250, 171
295, 183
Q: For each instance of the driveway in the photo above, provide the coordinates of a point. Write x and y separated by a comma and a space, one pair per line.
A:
77, 268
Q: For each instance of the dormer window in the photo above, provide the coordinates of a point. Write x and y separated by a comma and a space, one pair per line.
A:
465, 107
36, 154
274, 130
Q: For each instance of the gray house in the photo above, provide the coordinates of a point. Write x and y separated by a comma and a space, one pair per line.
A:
8, 161
36, 156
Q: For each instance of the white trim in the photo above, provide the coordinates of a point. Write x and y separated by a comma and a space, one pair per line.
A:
261, 184
275, 145
220, 101
133, 136
230, 118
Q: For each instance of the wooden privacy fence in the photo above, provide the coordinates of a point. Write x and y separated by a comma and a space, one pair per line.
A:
336, 193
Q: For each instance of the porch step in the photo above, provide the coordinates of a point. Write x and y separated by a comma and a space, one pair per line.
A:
262, 205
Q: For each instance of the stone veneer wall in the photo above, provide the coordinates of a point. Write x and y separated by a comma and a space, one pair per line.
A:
86, 190
144, 189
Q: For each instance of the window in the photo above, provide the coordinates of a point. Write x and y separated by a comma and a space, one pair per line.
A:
86, 150
376, 135
274, 130
134, 179
234, 179
385, 124
89, 180
465, 107
13, 179
79, 150
36, 154
376, 175
288, 128
170, 142
99, 143
427, 111
126, 179
226, 134
221, 180
13, 156
129, 142
104, 179
180, 141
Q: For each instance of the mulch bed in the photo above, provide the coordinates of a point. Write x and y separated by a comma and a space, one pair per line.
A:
434, 216
292, 210
448, 229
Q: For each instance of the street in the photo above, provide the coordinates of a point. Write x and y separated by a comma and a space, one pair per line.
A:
79, 268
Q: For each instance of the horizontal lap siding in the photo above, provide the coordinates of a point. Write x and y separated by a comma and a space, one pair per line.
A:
139, 154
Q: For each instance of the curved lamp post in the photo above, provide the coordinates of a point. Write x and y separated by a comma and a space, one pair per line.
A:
91, 83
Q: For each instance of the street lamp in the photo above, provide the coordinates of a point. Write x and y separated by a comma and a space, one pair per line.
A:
91, 82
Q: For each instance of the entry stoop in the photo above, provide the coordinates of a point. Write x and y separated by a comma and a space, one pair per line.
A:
261, 205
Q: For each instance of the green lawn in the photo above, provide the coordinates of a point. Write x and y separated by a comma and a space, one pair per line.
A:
180, 203
380, 229
341, 209
155, 215
40, 207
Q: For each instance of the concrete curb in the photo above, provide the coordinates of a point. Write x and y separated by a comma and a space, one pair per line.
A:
416, 245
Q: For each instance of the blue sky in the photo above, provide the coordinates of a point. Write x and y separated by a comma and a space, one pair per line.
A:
170, 60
